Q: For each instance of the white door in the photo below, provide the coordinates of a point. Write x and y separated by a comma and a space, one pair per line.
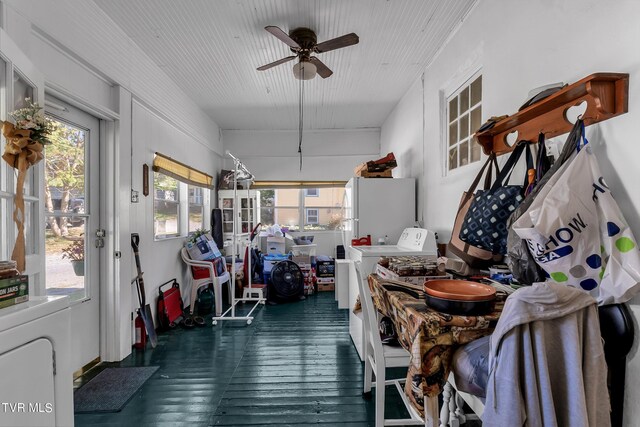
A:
72, 223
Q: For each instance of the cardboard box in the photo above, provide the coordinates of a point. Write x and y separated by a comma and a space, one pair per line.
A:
326, 287
14, 290
362, 171
385, 273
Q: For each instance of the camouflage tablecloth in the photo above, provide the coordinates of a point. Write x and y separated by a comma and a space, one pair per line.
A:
429, 335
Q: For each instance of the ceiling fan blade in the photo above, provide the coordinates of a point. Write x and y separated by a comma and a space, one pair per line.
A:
278, 62
282, 36
337, 43
322, 69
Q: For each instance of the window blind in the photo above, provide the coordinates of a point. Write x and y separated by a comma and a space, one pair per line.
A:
257, 185
181, 172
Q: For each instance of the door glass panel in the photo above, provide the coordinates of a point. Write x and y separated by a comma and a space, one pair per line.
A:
66, 212
21, 91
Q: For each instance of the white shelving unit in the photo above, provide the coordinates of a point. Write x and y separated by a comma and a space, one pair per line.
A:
248, 202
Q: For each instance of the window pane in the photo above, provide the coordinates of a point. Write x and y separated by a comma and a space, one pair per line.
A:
3, 113
5, 243
323, 219
464, 153
165, 218
475, 151
196, 195
196, 217
286, 217
476, 119
464, 100
453, 133
65, 171
453, 158
476, 91
464, 126
286, 197
21, 91
453, 109
65, 258
166, 205
30, 231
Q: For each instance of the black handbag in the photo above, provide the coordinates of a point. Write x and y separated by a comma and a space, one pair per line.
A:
485, 224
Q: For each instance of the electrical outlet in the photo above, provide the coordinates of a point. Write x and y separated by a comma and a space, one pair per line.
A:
135, 196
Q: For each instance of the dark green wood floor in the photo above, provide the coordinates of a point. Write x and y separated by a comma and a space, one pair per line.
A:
295, 365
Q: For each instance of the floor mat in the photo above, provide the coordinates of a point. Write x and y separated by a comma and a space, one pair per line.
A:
111, 389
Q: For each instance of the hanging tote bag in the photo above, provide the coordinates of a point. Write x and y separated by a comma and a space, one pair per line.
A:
475, 257
578, 235
519, 259
485, 224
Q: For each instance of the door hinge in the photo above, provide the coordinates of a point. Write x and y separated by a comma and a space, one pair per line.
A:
53, 355
100, 233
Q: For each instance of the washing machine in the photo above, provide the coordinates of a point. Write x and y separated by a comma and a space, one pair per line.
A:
36, 381
412, 241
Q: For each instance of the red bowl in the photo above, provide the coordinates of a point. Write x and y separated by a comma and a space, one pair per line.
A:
459, 290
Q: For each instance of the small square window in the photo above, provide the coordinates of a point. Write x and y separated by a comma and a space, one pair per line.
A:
311, 192
464, 112
312, 216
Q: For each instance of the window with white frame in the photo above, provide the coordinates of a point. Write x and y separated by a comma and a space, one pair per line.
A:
312, 216
311, 192
464, 117
196, 208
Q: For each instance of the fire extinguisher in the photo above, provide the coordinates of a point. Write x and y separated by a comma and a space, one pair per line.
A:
141, 335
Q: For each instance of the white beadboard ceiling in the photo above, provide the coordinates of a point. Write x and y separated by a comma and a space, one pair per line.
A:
211, 49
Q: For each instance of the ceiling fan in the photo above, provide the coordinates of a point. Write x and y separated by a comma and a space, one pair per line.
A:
303, 42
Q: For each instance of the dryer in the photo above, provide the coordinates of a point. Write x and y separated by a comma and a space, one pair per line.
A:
35, 374
412, 241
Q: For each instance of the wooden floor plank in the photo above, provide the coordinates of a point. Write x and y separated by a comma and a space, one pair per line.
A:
294, 366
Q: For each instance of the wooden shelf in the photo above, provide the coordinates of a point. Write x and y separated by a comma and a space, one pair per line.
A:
606, 95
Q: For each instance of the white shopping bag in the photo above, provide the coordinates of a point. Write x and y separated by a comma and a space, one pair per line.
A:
577, 234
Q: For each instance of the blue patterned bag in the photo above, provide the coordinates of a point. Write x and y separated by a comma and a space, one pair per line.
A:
485, 224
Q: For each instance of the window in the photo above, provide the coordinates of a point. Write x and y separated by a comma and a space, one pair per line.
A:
312, 216
180, 198
166, 206
464, 117
298, 210
196, 208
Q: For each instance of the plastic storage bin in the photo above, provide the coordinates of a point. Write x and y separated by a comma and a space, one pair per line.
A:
304, 250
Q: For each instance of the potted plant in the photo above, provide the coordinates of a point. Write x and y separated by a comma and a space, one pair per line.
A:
75, 253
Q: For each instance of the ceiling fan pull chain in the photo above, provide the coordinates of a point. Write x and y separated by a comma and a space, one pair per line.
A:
301, 121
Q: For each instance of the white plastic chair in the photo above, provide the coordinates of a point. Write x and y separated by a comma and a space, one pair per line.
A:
378, 357
214, 278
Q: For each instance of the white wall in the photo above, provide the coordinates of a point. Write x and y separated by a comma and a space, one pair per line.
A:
328, 155
521, 45
90, 62
160, 259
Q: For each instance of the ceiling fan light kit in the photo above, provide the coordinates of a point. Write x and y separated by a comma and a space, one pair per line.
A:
304, 70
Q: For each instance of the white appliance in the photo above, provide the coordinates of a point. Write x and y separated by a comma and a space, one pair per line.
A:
379, 207
35, 373
412, 241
